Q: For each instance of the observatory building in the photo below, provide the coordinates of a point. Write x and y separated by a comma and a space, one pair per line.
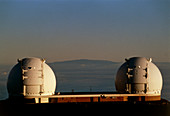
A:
31, 86
139, 75
31, 77
138, 79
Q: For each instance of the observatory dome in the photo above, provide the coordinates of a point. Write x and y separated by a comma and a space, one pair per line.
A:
139, 75
31, 77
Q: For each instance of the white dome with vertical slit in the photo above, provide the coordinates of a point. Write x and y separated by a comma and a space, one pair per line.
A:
31, 77
139, 75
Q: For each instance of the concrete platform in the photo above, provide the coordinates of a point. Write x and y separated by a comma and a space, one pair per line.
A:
93, 97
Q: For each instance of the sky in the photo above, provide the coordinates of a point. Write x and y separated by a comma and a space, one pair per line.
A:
60, 30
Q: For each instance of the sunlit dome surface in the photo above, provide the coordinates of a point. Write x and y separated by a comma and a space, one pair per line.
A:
31, 77
139, 75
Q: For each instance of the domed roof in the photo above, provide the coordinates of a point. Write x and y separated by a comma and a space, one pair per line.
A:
31, 77
139, 75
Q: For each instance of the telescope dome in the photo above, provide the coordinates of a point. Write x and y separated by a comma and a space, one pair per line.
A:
31, 77
139, 75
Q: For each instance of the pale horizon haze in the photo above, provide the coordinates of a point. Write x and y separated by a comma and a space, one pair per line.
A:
60, 30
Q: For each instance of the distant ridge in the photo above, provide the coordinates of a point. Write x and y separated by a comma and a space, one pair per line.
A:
85, 61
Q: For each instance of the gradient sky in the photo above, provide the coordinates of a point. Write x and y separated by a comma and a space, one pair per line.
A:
59, 30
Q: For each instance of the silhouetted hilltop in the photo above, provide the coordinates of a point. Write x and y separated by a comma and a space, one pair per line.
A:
82, 64
84, 61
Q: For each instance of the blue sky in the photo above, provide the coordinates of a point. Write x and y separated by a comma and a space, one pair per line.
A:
59, 30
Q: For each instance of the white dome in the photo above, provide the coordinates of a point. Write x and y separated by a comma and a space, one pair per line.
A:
139, 75
31, 77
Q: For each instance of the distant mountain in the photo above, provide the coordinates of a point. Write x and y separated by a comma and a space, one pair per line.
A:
84, 61
82, 64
